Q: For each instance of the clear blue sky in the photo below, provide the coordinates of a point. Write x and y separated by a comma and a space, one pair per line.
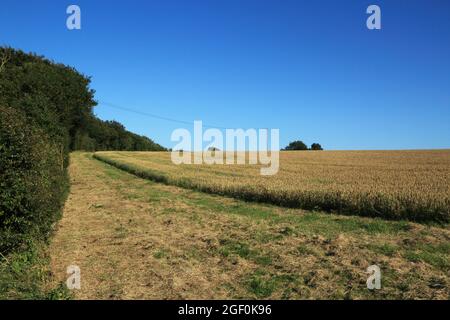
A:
310, 68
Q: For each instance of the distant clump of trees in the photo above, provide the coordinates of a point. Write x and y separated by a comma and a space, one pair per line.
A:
316, 146
46, 111
300, 145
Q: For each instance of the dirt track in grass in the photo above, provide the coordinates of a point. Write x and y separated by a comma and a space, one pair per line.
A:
135, 239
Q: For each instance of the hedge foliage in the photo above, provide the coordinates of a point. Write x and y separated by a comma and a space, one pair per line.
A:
33, 180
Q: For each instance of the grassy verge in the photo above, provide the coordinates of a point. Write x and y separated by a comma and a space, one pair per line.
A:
25, 273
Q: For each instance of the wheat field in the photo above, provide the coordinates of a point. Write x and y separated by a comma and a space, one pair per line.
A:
401, 185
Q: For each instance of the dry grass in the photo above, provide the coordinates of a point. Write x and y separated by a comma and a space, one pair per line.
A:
136, 239
412, 185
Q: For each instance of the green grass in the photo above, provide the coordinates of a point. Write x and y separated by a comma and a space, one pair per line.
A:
25, 273
230, 247
384, 248
436, 260
304, 250
262, 284
159, 254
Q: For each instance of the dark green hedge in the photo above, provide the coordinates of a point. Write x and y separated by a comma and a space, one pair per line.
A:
33, 180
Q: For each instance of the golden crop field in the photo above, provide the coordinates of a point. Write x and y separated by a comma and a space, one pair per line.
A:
411, 185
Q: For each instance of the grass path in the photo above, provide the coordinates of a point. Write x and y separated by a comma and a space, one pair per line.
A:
136, 239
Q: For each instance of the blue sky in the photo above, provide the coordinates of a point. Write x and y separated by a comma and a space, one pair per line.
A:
310, 68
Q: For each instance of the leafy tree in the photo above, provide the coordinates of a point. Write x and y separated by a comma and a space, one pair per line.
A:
296, 145
316, 146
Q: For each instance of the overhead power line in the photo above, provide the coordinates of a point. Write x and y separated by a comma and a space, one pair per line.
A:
155, 116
